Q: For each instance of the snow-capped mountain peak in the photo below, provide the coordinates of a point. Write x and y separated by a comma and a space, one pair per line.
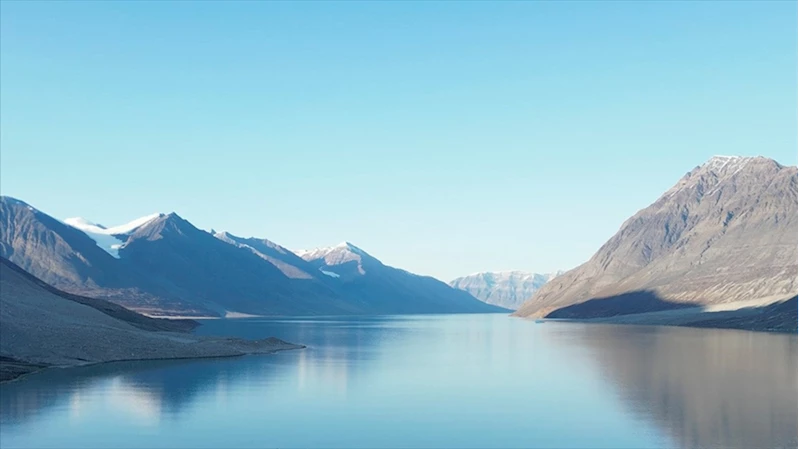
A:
726, 165
331, 256
350, 247
222, 235
310, 253
316, 253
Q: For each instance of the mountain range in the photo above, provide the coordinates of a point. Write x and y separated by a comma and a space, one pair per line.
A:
163, 265
508, 289
725, 233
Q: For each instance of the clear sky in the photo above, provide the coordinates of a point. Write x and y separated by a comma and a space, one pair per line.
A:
444, 138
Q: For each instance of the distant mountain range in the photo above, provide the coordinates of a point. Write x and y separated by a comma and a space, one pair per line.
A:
508, 289
163, 265
726, 232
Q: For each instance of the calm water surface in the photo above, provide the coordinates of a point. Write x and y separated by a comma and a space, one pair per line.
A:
431, 381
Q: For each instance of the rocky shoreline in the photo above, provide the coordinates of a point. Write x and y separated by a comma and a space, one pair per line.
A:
42, 327
12, 369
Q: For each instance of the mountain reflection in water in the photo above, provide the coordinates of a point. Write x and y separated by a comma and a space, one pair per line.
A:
717, 388
451, 381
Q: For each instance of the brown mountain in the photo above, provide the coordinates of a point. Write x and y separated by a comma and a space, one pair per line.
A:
726, 232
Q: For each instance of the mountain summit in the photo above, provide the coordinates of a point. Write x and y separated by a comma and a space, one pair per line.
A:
727, 231
348, 259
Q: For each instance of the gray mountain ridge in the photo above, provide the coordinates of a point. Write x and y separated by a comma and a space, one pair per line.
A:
726, 232
508, 289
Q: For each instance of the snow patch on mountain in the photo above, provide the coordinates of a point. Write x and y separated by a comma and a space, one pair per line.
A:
108, 239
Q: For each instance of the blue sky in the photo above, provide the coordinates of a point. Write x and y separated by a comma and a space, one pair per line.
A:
442, 137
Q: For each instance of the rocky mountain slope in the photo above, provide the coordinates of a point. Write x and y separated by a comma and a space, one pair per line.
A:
40, 326
379, 288
727, 231
508, 289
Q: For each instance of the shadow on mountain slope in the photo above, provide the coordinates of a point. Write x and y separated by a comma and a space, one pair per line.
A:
643, 301
647, 308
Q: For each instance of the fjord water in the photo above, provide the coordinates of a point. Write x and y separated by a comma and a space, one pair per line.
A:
428, 381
